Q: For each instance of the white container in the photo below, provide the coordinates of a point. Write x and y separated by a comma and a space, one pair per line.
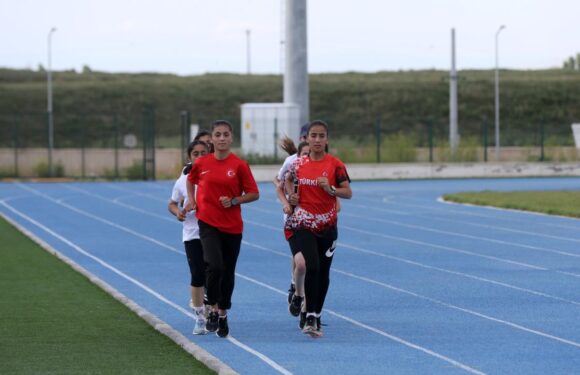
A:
576, 133
264, 124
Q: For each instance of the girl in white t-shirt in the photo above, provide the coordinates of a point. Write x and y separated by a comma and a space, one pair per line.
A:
190, 235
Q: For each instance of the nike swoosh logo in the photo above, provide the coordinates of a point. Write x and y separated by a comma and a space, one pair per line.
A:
204, 172
330, 252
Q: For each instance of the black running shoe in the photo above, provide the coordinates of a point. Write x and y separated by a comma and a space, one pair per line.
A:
212, 321
302, 319
318, 324
296, 305
291, 291
223, 329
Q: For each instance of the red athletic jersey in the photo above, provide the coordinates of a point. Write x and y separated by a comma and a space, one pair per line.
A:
316, 210
215, 178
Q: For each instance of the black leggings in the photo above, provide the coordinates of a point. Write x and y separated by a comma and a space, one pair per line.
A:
318, 253
220, 251
197, 265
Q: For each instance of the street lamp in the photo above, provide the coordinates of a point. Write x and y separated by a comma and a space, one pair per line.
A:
248, 57
49, 107
497, 93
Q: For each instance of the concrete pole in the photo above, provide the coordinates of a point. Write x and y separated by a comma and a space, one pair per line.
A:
497, 144
296, 89
248, 53
453, 116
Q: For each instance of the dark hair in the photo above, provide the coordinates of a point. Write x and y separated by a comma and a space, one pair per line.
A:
200, 134
301, 146
287, 144
318, 123
217, 123
194, 143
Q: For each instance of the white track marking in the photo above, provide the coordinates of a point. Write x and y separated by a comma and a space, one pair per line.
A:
454, 307
149, 290
378, 331
513, 325
459, 234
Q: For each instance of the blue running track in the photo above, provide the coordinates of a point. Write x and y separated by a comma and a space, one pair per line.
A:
417, 286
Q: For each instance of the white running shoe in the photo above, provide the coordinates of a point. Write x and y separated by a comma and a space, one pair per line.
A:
199, 328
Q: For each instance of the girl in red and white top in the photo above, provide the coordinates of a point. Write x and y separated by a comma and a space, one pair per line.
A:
190, 236
224, 182
311, 228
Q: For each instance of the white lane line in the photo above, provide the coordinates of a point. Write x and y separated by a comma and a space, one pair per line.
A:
378, 331
509, 243
454, 307
149, 290
445, 304
100, 219
459, 234
441, 247
392, 237
513, 325
482, 215
462, 274
451, 249
392, 337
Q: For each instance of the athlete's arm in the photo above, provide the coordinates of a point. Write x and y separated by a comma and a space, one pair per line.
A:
174, 209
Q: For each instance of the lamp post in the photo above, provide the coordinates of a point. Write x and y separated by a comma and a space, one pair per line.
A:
49, 107
248, 57
497, 93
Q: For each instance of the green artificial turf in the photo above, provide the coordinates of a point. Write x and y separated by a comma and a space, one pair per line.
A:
565, 203
55, 321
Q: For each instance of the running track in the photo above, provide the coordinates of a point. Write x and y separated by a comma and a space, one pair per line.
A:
417, 286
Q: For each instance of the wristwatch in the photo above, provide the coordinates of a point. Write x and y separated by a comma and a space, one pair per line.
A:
332, 191
234, 201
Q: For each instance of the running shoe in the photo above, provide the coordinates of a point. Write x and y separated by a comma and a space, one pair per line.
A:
199, 328
212, 321
310, 327
302, 319
295, 305
223, 328
318, 325
291, 291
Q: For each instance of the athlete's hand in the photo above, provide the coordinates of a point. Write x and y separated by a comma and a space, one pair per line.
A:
293, 199
323, 183
189, 207
181, 215
287, 209
226, 201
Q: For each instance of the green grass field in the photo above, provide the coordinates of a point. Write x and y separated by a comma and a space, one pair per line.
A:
55, 321
565, 203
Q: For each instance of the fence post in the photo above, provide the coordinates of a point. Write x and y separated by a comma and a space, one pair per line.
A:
276, 138
83, 144
184, 138
15, 143
541, 139
149, 143
378, 137
116, 140
430, 135
485, 139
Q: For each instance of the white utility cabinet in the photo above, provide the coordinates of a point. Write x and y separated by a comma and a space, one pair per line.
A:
264, 124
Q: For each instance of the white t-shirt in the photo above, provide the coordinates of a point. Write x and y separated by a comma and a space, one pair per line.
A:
286, 166
179, 193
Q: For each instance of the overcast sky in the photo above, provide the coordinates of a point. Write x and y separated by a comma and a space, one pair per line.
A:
197, 36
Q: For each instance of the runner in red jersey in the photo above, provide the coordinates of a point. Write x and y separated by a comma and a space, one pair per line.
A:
224, 182
311, 228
